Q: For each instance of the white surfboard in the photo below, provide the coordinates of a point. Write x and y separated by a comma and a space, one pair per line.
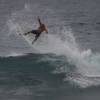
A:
29, 37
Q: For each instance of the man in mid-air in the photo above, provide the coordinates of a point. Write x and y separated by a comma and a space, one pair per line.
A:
38, 31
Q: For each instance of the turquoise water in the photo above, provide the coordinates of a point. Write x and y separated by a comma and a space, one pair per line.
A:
35, 76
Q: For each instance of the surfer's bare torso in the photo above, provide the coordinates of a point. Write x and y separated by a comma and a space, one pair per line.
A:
42, 27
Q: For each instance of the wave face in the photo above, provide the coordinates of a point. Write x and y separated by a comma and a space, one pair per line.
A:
40, 76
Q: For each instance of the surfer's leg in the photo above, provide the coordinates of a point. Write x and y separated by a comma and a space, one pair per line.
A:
30, 32
36, 37
27, 33
34, 32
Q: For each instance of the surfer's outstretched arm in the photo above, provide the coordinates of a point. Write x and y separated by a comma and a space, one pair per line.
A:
39, 21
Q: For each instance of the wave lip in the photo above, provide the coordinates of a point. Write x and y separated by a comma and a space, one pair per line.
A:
14, 54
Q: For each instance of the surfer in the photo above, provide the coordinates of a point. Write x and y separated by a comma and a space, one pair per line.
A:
38, 31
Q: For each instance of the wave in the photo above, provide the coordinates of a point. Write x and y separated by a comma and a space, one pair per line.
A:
63, 43
45, 67
13, 54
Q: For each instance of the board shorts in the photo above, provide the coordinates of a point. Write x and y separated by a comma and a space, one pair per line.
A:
35, 32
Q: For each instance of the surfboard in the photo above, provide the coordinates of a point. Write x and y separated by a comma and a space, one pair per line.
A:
29, 38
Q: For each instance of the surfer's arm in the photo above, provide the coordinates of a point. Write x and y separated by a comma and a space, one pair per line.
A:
39, 21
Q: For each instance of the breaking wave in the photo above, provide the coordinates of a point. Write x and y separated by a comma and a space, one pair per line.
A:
61, 43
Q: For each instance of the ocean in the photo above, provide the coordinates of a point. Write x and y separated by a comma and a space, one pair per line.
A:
61, 65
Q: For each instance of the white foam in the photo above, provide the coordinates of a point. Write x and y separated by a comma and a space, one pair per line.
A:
86, 62
14, 54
